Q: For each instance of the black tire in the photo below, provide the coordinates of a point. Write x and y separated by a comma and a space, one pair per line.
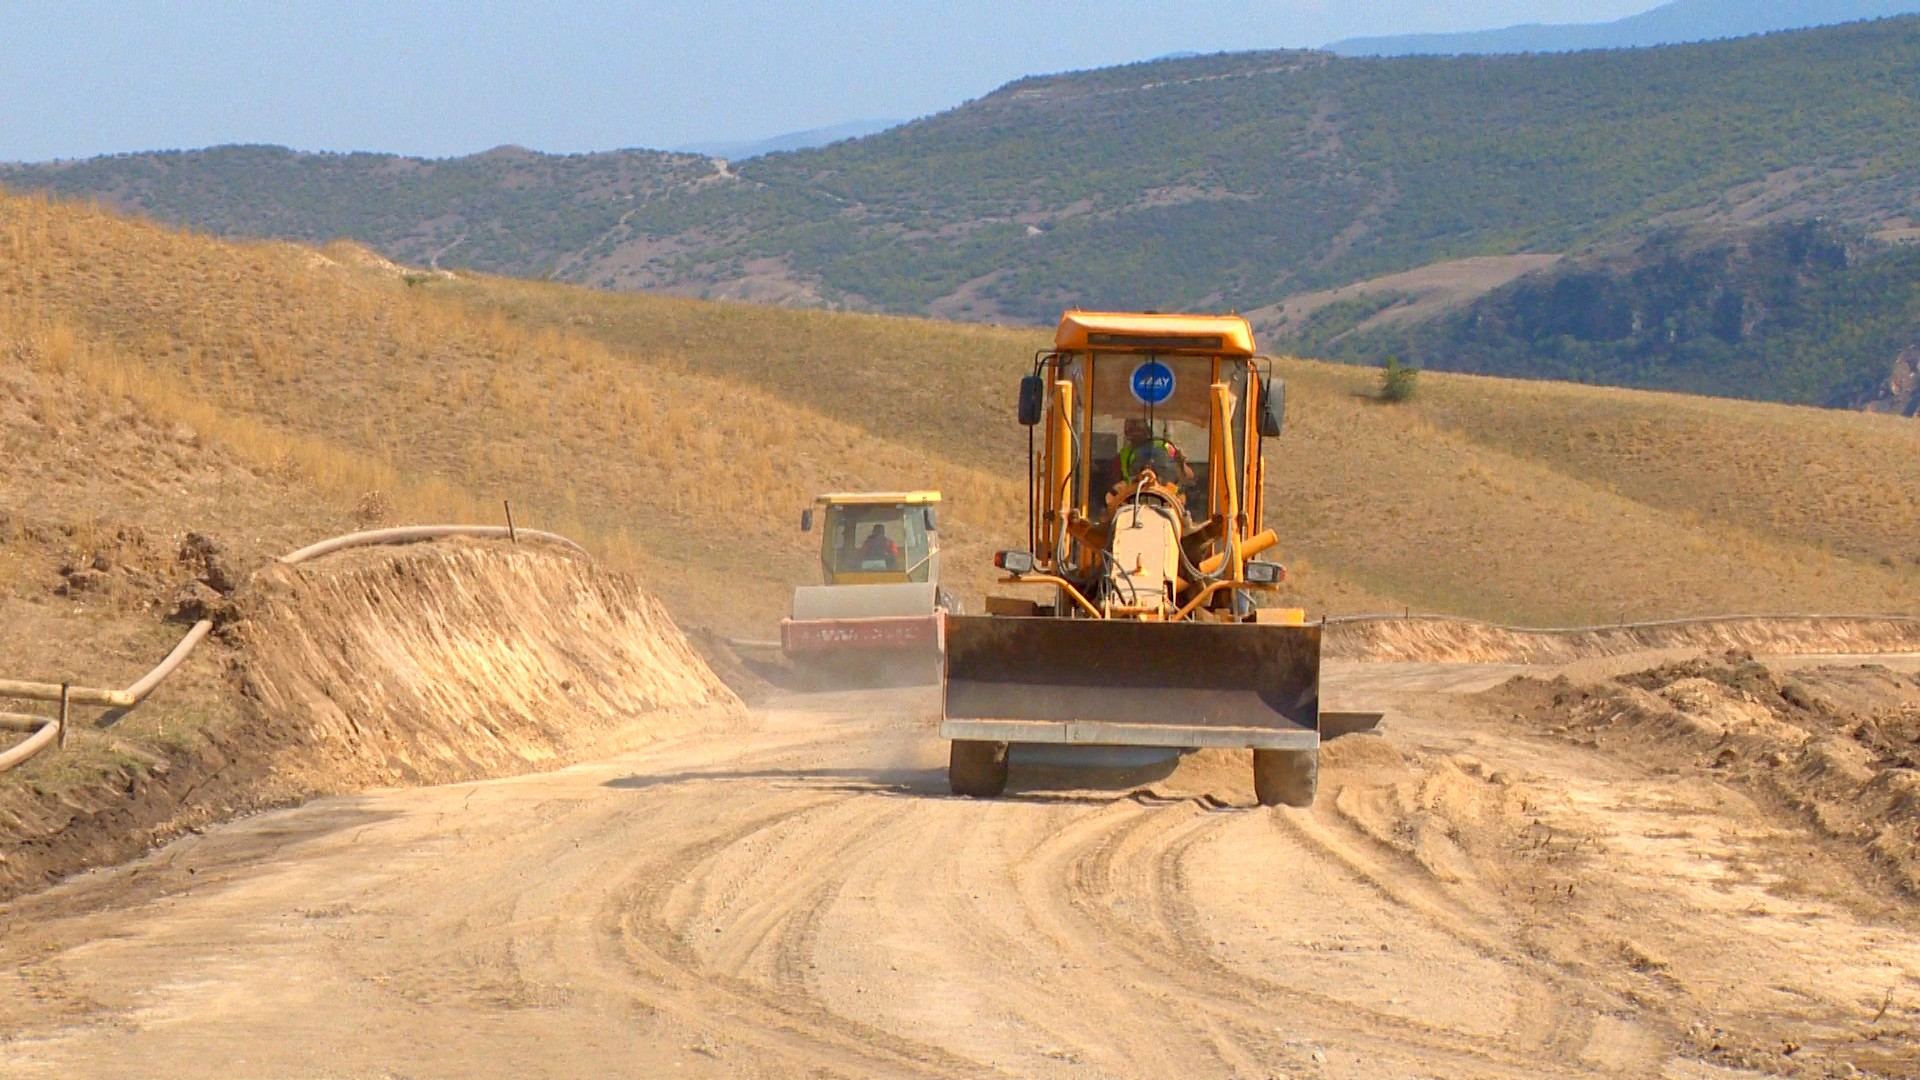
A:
1286, 777
977, 769
947, 602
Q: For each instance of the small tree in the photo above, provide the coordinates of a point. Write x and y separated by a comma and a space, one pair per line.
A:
1398, 381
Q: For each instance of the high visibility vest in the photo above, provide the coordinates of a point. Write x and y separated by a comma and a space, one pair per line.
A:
1143, 449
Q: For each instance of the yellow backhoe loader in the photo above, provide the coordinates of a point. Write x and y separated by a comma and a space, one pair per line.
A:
876, 617
1146, 499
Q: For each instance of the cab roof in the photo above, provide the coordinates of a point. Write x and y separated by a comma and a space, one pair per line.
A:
1213, 335
878, 498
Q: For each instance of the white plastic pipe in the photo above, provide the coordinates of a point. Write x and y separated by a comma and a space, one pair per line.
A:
32, 745
415, 533
28, 724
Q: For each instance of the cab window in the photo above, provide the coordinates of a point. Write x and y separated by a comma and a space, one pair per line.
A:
1141, 422
878, 540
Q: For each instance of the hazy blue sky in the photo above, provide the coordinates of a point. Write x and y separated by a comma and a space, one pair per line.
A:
79, 78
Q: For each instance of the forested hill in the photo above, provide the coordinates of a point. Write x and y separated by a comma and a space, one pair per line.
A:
507, 210
1805, 312
1232, 181
1672, 23
1226, 181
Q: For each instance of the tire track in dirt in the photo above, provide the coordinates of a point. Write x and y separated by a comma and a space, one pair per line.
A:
1556, 1018
647, 934
1054, 899
970, 956
1139, 860
803, 898
1114, 921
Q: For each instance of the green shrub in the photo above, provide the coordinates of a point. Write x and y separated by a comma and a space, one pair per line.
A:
1398, 381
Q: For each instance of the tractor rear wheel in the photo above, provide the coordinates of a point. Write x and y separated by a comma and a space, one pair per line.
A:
977, 769
1286, 777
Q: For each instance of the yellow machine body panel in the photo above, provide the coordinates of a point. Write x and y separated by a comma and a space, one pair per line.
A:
1222, 335
1176, 400
857, 577
876, 498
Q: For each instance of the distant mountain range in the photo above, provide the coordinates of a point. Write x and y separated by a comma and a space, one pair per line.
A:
1670, 24
1230, 181
746, 149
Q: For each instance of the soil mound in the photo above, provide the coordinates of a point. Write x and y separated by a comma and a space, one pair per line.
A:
1443, 640
1837, 746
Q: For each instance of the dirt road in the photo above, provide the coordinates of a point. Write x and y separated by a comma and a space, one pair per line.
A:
1470, 897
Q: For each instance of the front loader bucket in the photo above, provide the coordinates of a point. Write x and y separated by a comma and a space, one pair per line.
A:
1126, 683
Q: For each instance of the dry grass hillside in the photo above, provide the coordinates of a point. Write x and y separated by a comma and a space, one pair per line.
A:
98, 500
1507, 500
679, 437
337, 372
155, 385
1551, 503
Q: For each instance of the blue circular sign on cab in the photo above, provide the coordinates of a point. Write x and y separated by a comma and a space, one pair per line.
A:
1152, 382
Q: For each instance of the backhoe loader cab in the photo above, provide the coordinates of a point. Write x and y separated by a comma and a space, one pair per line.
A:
1145, 521
876, 617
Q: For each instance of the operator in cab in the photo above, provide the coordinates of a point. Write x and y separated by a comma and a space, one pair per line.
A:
1145, 450
878, 548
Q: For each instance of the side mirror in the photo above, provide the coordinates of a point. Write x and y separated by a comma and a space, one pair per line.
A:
806, 520
933, 523
1032, 395
1273, 406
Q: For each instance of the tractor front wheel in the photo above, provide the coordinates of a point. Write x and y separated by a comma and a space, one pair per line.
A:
1286, 777
977, 769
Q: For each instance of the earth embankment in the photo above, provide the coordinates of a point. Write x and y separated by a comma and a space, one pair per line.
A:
418, 665
464, 660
